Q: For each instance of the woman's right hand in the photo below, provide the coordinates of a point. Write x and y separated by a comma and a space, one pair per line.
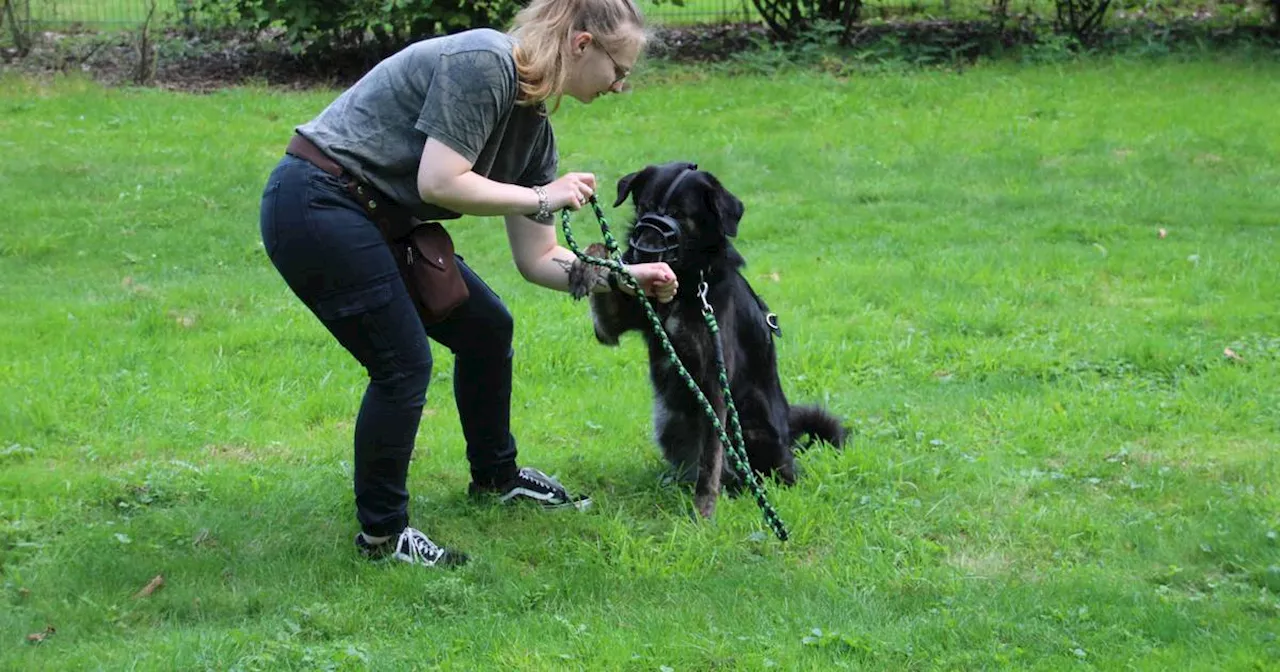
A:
571, 191
657, 280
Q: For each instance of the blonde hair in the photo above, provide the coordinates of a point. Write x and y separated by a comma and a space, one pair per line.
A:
542, 31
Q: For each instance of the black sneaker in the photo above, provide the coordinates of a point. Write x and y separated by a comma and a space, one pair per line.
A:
531, 485
411, 546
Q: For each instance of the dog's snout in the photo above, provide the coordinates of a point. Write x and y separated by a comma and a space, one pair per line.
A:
637, 254
656, 237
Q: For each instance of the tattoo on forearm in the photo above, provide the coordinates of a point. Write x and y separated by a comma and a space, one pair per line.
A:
584, 279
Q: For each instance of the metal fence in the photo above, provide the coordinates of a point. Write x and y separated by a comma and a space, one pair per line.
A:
92, 13
130, 13
106, 14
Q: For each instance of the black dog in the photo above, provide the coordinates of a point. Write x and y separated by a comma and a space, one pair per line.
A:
685, 217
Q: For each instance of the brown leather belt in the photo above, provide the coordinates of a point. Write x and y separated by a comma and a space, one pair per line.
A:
393, 221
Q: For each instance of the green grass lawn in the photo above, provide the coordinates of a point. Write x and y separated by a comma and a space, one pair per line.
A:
1054, 464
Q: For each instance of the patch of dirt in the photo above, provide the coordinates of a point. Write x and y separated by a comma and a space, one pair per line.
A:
186, 62
204, 61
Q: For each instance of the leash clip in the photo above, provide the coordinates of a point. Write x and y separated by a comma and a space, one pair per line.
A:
702, 293
772, 320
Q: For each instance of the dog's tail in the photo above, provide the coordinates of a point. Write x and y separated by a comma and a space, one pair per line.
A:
816, 423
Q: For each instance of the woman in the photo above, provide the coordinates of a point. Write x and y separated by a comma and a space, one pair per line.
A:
450, 126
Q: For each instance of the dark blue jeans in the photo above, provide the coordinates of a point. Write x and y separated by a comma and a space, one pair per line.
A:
336, 261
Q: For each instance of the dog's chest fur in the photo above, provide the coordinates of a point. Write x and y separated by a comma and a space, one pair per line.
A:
692, 339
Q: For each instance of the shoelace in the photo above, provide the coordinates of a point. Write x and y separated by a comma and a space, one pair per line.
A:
421, 548
542, 479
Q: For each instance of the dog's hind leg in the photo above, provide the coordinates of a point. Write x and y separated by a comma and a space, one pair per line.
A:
765, 433
770, 456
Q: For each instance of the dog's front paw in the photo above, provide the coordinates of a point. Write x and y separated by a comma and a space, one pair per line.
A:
605, 319
585, 277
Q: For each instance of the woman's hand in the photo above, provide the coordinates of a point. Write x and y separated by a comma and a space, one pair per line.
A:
656, 279
571, 191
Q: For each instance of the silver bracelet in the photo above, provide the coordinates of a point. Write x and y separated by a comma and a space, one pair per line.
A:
544, 205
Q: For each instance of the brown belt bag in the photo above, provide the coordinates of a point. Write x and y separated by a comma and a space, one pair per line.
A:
423, 252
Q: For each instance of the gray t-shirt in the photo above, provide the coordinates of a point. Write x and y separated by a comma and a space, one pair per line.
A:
459, 89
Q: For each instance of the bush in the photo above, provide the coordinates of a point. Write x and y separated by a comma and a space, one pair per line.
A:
17, 14
1080, 19
790, 19
328, 25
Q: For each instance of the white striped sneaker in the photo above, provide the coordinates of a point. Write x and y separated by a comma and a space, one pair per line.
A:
531, 485
411, 546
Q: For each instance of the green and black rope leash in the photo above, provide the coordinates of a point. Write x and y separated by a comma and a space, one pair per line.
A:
736, 449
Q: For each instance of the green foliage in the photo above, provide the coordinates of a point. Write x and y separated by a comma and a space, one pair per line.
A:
15, 25
339, 24
1080, 19
789, 18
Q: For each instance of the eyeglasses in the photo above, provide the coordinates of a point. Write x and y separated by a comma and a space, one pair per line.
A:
620, 73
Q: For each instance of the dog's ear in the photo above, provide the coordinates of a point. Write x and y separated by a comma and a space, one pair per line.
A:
724, 205
634, 181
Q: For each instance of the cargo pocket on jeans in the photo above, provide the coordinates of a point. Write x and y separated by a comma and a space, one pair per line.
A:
354, 302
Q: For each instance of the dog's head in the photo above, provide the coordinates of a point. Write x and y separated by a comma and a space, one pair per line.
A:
684, 216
